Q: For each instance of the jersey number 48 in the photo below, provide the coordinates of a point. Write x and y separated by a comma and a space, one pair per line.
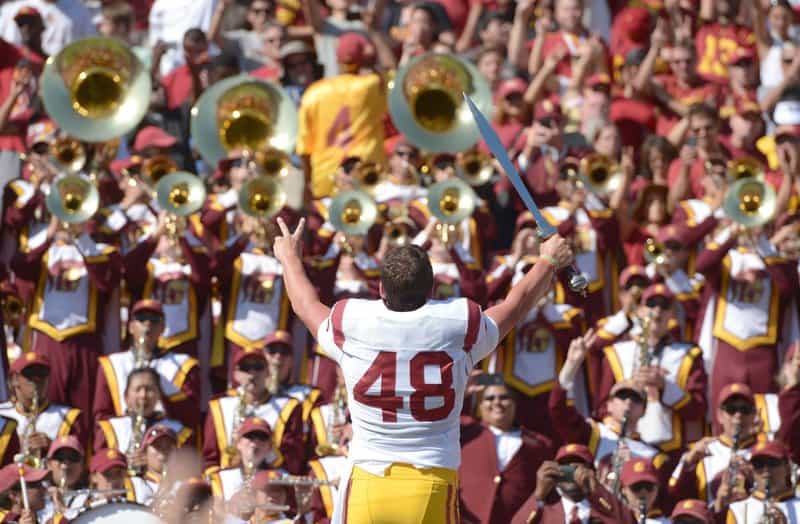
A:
384, 367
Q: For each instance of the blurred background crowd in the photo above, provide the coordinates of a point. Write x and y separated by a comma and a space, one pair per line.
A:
153, 367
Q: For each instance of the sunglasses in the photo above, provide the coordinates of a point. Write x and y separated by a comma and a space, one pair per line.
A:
34, 372
660, 302
744, 409
768, 462
627, 394
257, 436
40, 148
252, 366
278, 349
443, 164
492, 398
643, 486
698, 129
67, 456
237, 162
260, 10
673, 246
548, 121
147, 316
404, 154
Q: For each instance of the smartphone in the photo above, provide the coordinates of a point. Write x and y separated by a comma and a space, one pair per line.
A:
567, 473
691, 141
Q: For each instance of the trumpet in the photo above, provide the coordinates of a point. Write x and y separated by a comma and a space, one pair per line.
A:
293, 480
154, 169
474, 168
68, 154
13, 308
73, 199
262, 197
271, 161
352, 212
337, 416
451, 202
599, 174
398, 233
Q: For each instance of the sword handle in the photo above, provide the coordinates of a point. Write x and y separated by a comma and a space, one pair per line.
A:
575, 280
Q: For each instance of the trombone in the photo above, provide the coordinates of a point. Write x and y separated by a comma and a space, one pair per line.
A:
96, 89
426, 102
451, 202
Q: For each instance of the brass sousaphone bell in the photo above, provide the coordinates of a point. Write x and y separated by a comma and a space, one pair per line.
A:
96, 89
427, 105
262, 197
67, 154
750, 202
352, 212
243, 113
474, 168
368, 175
744, 167
599, 174
180, 193
73, 199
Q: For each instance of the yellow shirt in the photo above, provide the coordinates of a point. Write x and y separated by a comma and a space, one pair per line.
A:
341, 117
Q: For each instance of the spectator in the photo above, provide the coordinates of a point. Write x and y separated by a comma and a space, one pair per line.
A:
65, 21
256, 44
169, 20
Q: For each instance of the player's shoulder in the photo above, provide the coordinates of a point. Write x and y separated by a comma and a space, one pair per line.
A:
455, 308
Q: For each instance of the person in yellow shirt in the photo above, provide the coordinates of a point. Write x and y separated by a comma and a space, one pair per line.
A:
342, 116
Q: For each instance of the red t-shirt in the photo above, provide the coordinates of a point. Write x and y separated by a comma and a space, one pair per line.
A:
634, 119
715, 43
696, 174
571, 42
739, 152
177, 86
12, 137
700, 91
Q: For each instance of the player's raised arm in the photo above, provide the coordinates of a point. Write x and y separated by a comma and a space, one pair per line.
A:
288, 249
555, 254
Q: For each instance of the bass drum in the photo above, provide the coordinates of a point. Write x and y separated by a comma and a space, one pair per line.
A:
117, 513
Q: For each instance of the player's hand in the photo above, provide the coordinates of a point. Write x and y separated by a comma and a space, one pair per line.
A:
27, 516
586, 479
546, 479
558, 248
38, 440
579, 347
698, 452
289, 245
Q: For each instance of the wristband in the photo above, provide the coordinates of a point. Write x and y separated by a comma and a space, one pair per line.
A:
550, 260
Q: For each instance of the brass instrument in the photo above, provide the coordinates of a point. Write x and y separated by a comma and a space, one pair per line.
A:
616, 458
13, 308
398, 232
67, 154
262, 197
96, 89
744, 167
427, 105
271, 161
154, 169
643, 342
450, 202
750, 202
273, 378
352, 213
90, 492
138, 429
243, 113
248, 469
32, 457
238, 417
733, 466
766, 516
72, 199
599, 174
475, 168
294, 480
140, 357
655, 252
368, 175
337, 416
180, 193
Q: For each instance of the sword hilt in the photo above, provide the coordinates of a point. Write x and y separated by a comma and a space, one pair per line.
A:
576, 282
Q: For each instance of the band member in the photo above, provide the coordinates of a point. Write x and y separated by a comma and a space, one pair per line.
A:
749, 291
268, 499
11, 499
9, 441
402, 184
252, 398
75, 279
774, 495
640, 491
179, 373
109, 480
500, 459
692, 511
159, 443
670, 371
66, 462
126, 433
255, 453
566, 491
39, 422
711, 460
173, 268
625, 407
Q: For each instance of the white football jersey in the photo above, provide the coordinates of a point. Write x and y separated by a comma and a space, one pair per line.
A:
406, 373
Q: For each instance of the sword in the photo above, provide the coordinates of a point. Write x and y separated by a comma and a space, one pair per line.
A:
575, 280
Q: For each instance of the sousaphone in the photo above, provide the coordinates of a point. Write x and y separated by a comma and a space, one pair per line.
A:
243, 113
96, 89
180, 193
73, 199
427, 105
262, 197
352, 212
750, 202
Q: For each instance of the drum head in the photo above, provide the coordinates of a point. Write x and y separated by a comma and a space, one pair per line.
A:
117, 513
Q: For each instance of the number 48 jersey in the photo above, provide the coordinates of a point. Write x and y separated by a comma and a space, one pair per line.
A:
406, 373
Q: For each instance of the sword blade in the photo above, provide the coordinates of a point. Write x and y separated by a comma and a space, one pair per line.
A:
496, 147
